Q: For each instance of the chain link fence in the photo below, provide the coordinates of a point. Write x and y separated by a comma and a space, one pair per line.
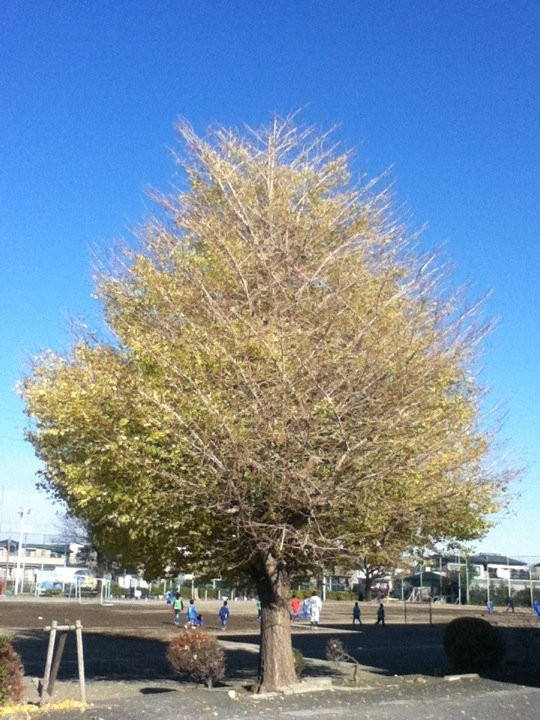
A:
27, 559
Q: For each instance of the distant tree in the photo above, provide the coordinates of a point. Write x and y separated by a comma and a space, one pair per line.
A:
289, 384
71, 529
372, 571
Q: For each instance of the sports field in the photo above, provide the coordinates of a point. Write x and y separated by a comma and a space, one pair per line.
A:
125, 642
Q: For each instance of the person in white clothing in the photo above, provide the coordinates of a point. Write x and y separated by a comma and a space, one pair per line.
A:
315, 607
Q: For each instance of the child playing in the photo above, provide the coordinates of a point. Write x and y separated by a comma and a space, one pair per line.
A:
191, 615
224, 613
295, 607
356, 614
380, 615
178, 606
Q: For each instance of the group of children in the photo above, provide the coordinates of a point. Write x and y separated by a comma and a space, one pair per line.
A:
194, 618
309, 609
357, 616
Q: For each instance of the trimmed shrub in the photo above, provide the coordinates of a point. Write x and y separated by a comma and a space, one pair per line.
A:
117, 591
197, 656
472, 645
477, 595
499, 595
340, 595
11, 673
52, 592
522, 598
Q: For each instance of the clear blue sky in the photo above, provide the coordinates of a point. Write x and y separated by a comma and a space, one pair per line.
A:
445, 93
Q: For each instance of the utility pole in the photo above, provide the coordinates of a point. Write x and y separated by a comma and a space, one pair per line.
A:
1, 509
467, 597
18, 578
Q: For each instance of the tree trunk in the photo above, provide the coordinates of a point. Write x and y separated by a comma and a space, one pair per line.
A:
367, 588
276, 660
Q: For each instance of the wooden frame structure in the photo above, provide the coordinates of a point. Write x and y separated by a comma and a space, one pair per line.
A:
52, 664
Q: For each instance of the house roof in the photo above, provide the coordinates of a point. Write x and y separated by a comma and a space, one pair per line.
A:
13, 544
59, 548
426, 578
487, 559
445, 559
478, 559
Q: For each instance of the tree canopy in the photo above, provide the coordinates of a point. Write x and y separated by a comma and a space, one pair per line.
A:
289, 383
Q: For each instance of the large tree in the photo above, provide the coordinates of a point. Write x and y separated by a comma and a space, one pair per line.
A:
289, 384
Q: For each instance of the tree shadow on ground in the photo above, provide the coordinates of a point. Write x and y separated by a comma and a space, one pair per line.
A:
118, 658
522, 656
391, 650
400, 649
415, 649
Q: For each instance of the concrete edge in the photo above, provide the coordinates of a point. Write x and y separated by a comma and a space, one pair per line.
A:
304, 686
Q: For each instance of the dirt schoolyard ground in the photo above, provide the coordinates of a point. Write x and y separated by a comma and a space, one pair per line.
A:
127, 674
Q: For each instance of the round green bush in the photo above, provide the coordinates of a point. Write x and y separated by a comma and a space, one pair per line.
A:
472, 645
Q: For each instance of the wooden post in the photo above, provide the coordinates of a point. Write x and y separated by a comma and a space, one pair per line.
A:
56, 663
52, 664
44, 694
80, 660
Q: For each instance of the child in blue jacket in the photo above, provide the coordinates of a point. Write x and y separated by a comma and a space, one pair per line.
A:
191, 614
224, 613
